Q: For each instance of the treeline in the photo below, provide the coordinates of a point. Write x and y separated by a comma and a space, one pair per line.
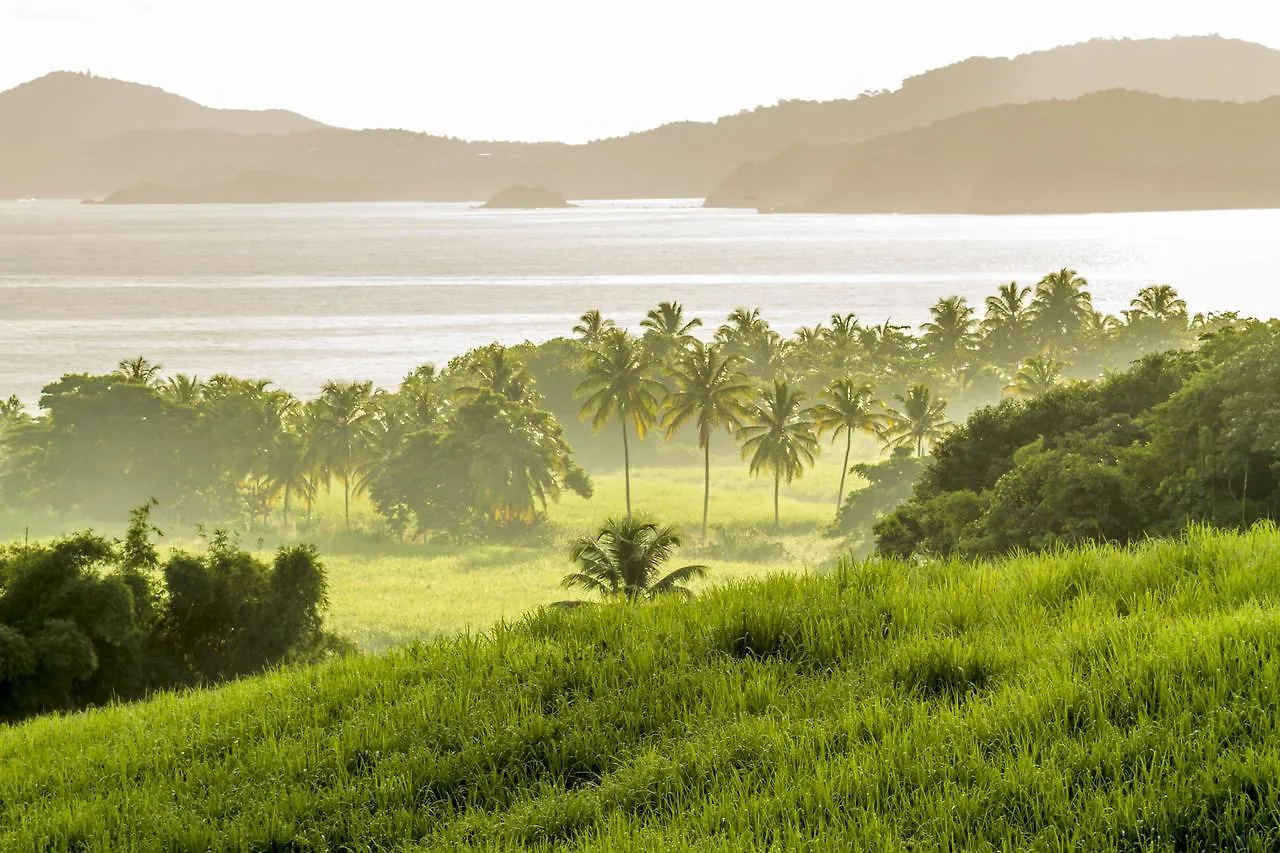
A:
85, 620
488, 441
1183, 437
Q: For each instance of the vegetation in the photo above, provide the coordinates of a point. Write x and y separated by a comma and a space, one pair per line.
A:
1096, 699
84, 620
625, 560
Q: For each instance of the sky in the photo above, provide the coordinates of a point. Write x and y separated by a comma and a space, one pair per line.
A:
571, 70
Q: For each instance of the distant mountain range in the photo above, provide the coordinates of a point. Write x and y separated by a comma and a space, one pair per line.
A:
72, 135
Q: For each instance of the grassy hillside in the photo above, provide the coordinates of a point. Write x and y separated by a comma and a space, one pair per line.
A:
1099, 699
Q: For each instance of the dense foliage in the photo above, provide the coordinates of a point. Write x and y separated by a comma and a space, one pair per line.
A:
1187, 436
84, 620
1100, 699
485, 443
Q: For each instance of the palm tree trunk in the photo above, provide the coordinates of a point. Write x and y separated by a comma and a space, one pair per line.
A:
777, 484
286, 505
706, 485
346, 492
848, 445
626, 464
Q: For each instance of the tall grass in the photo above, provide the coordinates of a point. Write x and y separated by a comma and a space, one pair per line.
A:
1095, 699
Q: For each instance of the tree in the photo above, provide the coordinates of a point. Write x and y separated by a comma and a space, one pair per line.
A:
850, 408
952, 333
1061, 307
618, 384
711, 392
1159, 302
779, 437
342, 434
1036, 376
592, 327
138, 370
1007, 324
625, 559
921, 418
667, 331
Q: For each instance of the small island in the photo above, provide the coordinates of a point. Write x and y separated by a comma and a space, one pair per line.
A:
525, 198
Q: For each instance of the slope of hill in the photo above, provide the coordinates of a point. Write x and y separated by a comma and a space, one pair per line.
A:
1110, 151
1098, 699
65, 135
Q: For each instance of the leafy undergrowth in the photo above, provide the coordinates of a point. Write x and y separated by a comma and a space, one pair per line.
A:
1095, 699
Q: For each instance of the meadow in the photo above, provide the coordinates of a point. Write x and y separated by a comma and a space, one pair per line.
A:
1093, 699
385, 594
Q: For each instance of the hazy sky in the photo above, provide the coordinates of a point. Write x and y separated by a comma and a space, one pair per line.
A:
558, 69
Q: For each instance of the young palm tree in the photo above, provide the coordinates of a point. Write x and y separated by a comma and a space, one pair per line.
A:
711, 392
343, 430
625, 559
952, 333
849, 409
1036, 376
619, 384
779, 437
1061, 307
592, 327
1008, 322
921, 418
667, 331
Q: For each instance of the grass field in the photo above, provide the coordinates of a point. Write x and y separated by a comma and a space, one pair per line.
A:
383, 594
1100, 699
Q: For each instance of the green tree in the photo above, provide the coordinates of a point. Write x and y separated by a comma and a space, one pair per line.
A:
139, 371
1007, 325
619, 384
952, 333
849, 409
1061, 308
342, 435
711, 392
625, 559
919, 419
667, 331
1036, 376
592, 327
779, 437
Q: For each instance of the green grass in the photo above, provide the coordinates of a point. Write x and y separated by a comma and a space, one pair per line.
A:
384, 595
1098, 699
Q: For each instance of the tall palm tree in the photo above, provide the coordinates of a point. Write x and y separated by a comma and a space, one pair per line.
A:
619, 383
919, 419
138, 370
952, 332
849, 409
1061, 307
1036, 376
1008, 322
666, 330
1159, 302
779, 437
711, 392
343, 431
291, 467
625, 560
592, 327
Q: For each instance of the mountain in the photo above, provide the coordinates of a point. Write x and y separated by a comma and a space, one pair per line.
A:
70, 135
1111, 151
1195, 68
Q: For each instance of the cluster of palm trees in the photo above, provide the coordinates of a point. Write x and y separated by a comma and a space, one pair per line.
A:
751, 382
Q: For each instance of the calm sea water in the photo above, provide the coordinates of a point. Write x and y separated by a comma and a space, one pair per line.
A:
303, 293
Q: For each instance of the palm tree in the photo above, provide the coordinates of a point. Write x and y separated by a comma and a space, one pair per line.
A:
951, 334
183, 389
291, 467
1036, 376
138, 370
1008, 322
779, 437
1159, 302
343, 431
710, 391
920, 418
850, 409
592, 327
666, 329
493, 368
624, 560
1061, 307
619, 384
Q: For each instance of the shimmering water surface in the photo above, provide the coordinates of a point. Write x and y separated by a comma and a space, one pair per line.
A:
303, 293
